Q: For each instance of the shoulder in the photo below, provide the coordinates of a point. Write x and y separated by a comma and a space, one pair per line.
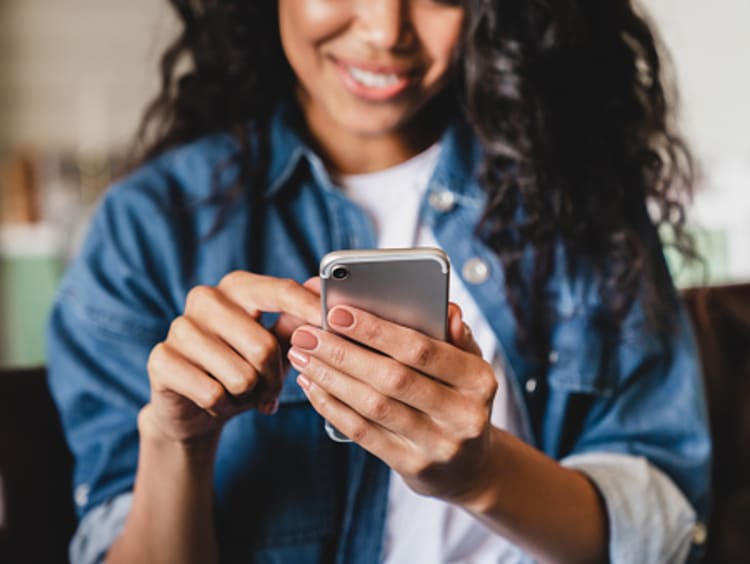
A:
185, 172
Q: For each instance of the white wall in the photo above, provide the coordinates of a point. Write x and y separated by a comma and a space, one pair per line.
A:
710, 45
76, 72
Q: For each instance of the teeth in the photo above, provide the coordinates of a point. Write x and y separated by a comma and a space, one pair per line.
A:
373, 79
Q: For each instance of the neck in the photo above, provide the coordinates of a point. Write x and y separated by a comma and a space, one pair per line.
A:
347, 152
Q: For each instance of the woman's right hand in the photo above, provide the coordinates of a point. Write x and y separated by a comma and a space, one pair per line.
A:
218, 360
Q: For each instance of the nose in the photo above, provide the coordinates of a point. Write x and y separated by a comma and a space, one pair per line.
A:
385, 24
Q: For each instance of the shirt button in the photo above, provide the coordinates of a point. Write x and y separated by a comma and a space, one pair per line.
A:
442, 200
531, 385
553, 357
476, 271
700, 535
81, 495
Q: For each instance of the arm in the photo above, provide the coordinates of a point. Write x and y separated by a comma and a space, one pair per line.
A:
216, 362
437, 433
171, 517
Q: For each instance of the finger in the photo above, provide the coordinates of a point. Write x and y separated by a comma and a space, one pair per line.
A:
374, 406
370, 436
170, 371
386, 375
435, 358
313, 284
459, 333
213, 356
258, 293
215, 313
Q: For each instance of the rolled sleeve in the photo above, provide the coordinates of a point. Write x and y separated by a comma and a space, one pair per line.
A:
650, 520
98, 530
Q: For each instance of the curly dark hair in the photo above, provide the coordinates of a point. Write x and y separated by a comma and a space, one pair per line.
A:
567, 97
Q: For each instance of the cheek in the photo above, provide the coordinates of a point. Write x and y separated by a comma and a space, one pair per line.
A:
306, 24
440, 39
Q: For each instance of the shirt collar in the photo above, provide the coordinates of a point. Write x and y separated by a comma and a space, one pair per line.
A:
456, 169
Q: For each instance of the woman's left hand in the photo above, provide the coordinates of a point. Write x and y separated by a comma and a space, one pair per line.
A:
422, 406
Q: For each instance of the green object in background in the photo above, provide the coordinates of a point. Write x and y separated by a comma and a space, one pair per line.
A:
27, 288
712, 246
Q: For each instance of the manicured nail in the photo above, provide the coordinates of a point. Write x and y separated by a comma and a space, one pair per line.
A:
303, 382
297, 357
304, 339
341, 317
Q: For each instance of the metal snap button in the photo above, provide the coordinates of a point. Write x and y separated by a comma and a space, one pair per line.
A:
476, 271
553, 357
81, 495
531, 385
700, 535
442, 200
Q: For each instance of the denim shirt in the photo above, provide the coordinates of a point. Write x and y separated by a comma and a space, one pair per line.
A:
627, 409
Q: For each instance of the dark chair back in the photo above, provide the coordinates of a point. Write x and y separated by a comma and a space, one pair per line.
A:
721, 320
37, 517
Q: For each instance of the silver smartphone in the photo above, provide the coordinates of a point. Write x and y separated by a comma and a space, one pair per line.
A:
406, 286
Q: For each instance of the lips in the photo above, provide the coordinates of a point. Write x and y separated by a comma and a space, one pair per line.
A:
377, 83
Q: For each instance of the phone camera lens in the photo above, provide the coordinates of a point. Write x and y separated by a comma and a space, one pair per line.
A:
340, 273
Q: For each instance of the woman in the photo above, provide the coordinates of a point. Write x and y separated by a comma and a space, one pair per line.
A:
563, 420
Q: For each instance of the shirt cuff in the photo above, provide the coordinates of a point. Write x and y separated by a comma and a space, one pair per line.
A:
98, 530
650, 520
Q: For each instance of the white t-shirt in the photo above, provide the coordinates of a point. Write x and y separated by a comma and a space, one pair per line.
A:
421, 529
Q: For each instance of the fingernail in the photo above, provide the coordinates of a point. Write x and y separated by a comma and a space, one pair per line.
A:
304, 339
303, 382
341, 318
297, 357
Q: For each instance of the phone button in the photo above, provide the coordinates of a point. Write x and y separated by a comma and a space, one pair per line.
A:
442, 200
476, 271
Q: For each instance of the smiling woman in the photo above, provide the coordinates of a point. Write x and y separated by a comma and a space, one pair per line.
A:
365, 70
562, 419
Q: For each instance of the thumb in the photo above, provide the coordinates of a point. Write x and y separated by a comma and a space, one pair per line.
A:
459, 333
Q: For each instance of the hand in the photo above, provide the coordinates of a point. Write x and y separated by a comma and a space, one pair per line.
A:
421, 405
218, 360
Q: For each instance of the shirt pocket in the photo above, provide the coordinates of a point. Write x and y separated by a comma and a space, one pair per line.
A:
580, 360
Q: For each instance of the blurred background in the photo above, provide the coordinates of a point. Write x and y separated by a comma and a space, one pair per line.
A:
76, 75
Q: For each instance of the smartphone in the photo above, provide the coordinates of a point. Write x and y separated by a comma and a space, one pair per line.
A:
406, 286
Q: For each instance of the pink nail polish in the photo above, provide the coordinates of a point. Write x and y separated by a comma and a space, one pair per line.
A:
341, 317
304, 340
303, 382
297, 357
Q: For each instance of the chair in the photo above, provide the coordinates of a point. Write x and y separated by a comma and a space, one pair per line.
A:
37, 517
721, 320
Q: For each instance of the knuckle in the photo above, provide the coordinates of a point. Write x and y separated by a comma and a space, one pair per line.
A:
267, 350
488, 387
338, 355
198, 297
474, 426
420, 352
158, 358
399, 381
287, 285
377, 407
358, 432
448, 451
372, 331
212, 396
231, 279
180, 328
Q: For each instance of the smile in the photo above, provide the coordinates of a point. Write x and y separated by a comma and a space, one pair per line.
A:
374, 84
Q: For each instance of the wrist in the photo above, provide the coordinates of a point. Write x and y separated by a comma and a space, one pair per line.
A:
200, 449
482, 498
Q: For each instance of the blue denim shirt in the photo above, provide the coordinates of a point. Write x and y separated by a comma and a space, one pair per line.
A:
626, 409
